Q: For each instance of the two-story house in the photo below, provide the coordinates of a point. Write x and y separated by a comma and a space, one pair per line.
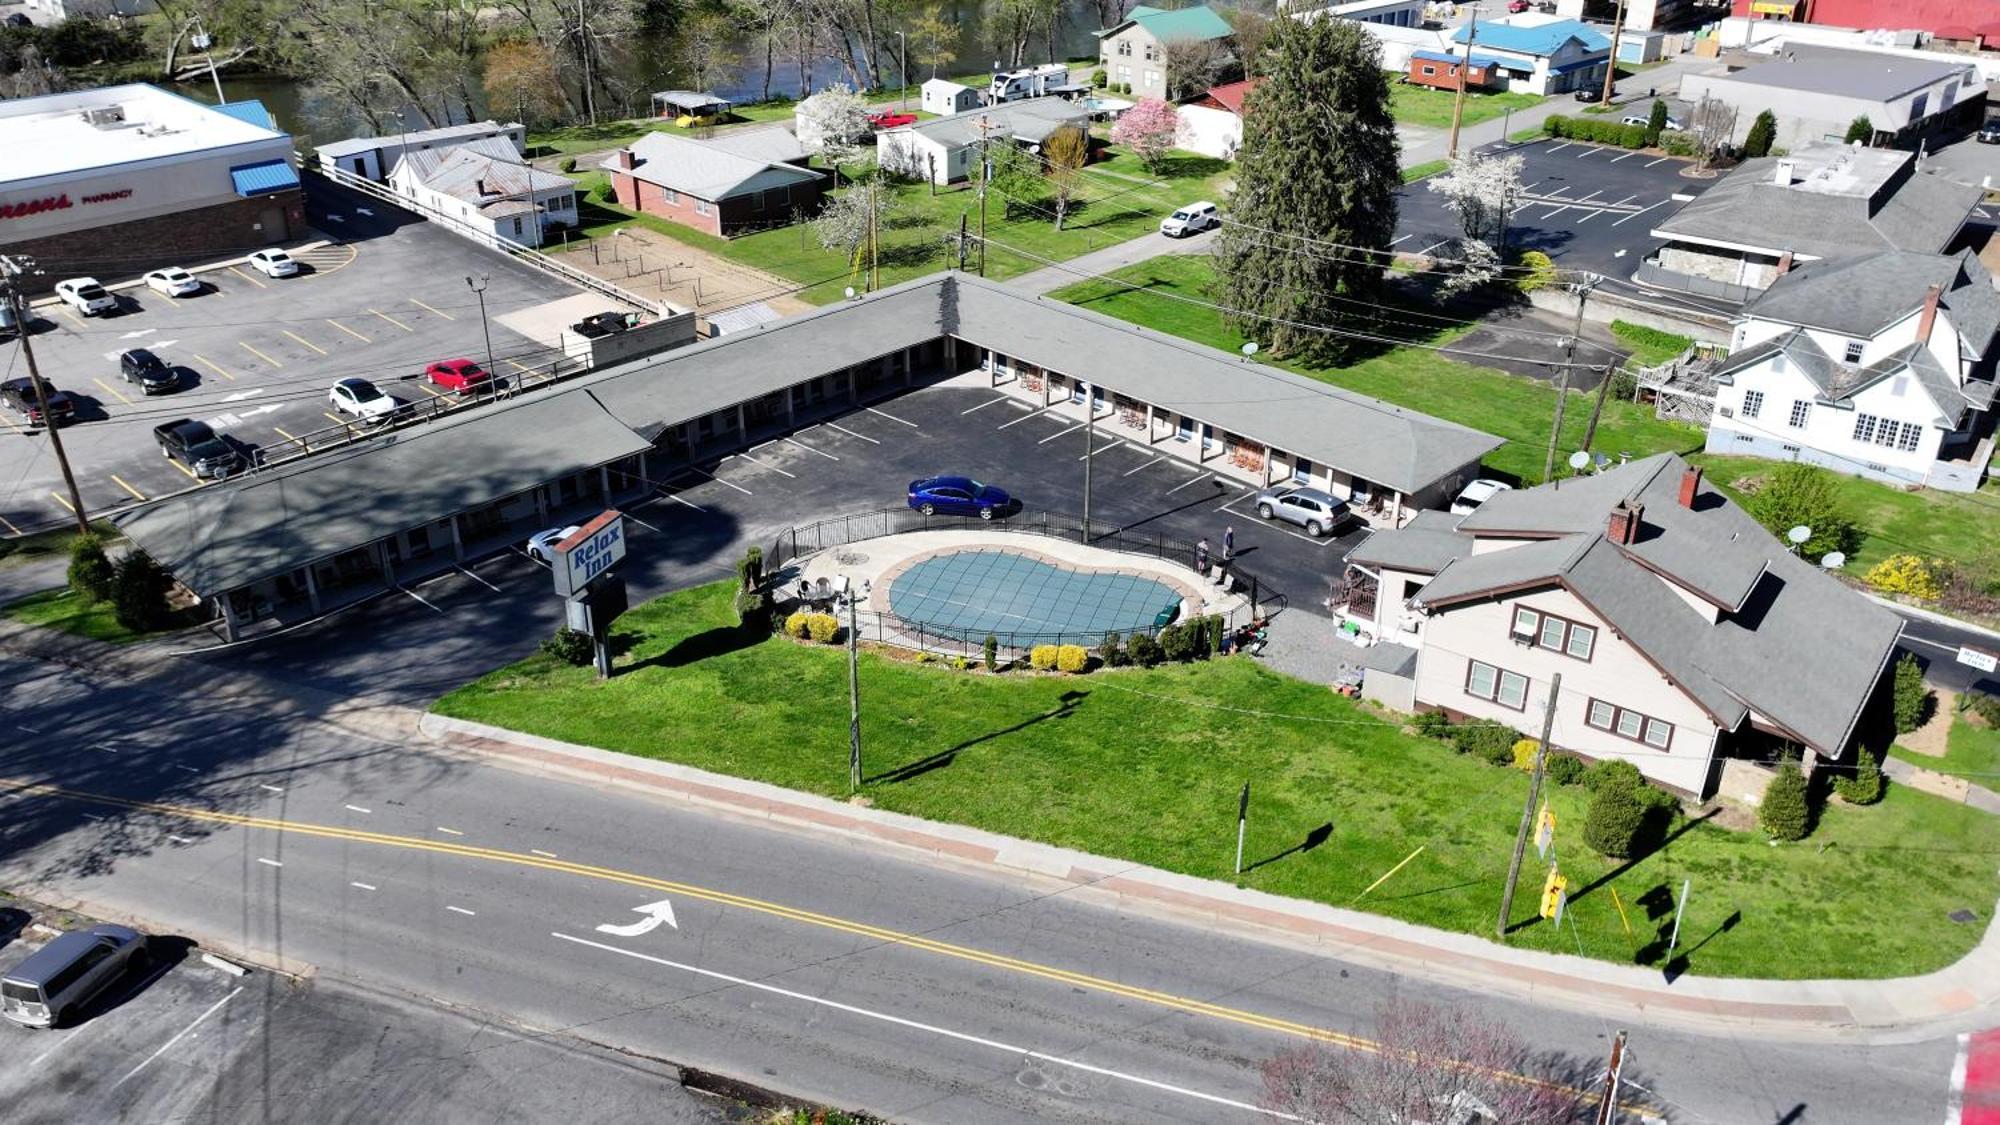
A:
1680, 627
1135, 49
1876, 366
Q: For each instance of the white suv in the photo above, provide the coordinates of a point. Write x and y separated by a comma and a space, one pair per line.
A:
86, 296
362, 399
1191, 219
273, 263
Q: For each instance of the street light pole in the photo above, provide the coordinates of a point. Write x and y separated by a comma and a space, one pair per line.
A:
202, 43
479, 287
903, 95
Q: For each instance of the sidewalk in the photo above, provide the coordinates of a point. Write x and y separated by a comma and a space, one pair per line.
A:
1875, 1011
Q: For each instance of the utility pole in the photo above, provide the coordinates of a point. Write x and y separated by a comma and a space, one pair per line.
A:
1089, 451
853, 697
12, 268
203, 42
1611, 64
1528, 810
1582, 291
1607, 1109
961, 239
985, 173
1464, 64
874, 256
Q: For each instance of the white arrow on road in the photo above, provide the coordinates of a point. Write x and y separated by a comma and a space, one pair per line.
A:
335, 219
655, 913
265, 409
239, 396
364, 211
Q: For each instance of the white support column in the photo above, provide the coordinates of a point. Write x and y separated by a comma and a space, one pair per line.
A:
742, 426
604, 482
312, 589
225, 604
853, 389
382, 560
457, 541
1152, 431
542, 502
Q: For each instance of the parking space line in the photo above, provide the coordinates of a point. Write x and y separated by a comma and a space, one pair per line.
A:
719, 480
1196, 480
810, 449
1154, 461
984, 405
362, 886
1559, 148
1554, 213
1623, 201
182, 1034
461, 910
349, 331
11, 529
332, 417
284, 434
63, 502
425, 387
260, 355
1661, 160
1059, 433
849, 433
120, 482
11, 425
1591, 196
1022, 418
1426, 250
71, 314
1404, 238
419, 599
481, 581
184, 469
892, 417
247, 277
428, 308
1112, 444
519, 366
392, 320
214, 366
1637, 213
114, 392
1627, 156
766, 464
303, 340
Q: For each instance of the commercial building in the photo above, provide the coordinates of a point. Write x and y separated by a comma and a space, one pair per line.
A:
730, 184
946, 149
372, 158
1134, 50
1537, 54
1816, 92
1947, 19
118, 180
487, 190
298, 539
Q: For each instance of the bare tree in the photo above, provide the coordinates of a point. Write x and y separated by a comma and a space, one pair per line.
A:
1193, 65
707, 46
768, 21
1712, 122
1065, 152
1431, 1065
32, 76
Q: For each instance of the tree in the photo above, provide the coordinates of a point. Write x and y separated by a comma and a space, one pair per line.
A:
768, 21
1763, 131
1315, 204
1784, 812
1431, 1064
1656, 122
1711, 123
934, 39
1193, 65
1149, 129
521, 75
1799, 495
852, 221
1250, 30
1612, 825
1538, 271
1863, 786
139, 592
1482, 191
830, 124
1910, 699
1860, 129
706, 47
1065, 153
90, 571
1477, 264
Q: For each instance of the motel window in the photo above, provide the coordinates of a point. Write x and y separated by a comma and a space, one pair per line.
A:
1853, 353
1753, 403
1629, 724
1302, 471
1557, 634
1801, 413
1508, 689
669, 195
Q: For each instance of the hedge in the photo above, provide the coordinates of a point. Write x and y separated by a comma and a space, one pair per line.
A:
1600, 131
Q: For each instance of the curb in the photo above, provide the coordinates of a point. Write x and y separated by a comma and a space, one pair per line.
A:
208, 948
1821, 1011
1931, 615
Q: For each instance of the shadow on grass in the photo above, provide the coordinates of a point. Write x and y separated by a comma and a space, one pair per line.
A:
1644, 854
719, 641
1314, 838
1678, 966
910, 771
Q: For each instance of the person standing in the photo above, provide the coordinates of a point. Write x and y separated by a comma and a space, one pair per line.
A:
1201, 558
1228, 543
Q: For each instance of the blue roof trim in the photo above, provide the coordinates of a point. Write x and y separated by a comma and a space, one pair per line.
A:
250, 111
264, 177
1540, 40
1580, 64
1447, 57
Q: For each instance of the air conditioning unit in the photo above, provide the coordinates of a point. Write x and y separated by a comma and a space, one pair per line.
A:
105, 116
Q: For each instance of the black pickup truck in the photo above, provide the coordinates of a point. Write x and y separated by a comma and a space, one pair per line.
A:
205, 453
19, 394
604, 324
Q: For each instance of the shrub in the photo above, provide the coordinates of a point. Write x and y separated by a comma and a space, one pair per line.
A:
1177, 642
1763, 131
1615, 819
1491, 741
960, 664
750, 569
1910, 699
1042, 657
823, 627
139, 592
799, 624
1783, 812
990, 653
1538, 271
1632, 136
1612, 771
1524, 754
1656, 122
1563, 769
1098, 78
568, 165
1860, 129
1986, 706
1112, 652
1553, 124
1798, 494
1905, 574
1431, 724
1677, 144
924, 657
1863, 786
90, 570
571, 647
753, 610
1145, 650
1072, 658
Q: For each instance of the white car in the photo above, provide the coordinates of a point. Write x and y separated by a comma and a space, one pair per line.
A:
173, 282
1672, 126
363, 400
86, 296
542, 544
1477, 493
1191, 219
273, 263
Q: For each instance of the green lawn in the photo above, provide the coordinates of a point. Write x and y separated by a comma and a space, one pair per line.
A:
1412, 104
21, 549
1952, 525
1650, 346
1508, 406
63, 610
1971, 752
1145, 766
1425, 170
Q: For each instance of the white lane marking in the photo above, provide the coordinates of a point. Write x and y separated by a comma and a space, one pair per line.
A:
269, 862
766, 464
1623, 201
449, 831
1554, 213
810, 449
1405, 238
1591, 196
1196, 480
93, 817
363, 886
180, 839
1589, 217
538, 851
1954, 1106
851, 433
642, 523
1661, 160
1023, 418
461, 910
676, 498
29, 729
719, 480
983, 405
168, 1045
1060, 433
1637, 213
188, 769
272, 788
892, 417
1112, 444
1154, 461
481, 581
102, 748
420, 600
1426, 250
960, 1036
359, 809
1559, 148
1627, 156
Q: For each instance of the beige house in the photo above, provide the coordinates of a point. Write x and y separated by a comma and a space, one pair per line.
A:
1681, 629
1134, 51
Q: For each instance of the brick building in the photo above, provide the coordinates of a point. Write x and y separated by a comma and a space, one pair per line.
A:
732, 184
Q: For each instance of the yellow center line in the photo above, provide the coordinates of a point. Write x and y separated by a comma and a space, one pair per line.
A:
11, 529
214, 366
183, 468
258, 354
349, 331
428, 308
392, 320
63, 502
303, 340
246, 277
120, 481
112, 391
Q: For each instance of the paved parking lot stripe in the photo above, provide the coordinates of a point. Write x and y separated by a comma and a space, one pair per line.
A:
983, 405
425, 387
349, 331
332, 417
810, 449
719, 480
1637, 213
482, 582
247, 277
1404, 238
114, 392
1426, 250
392, 320
306, 342
11, 529
1591, 196
184, 469
892, 417
1661, 160
11, 424
1196, 480
849, 433
1022, 418
282, 433
1559, 148
428, 308
120, 482
63, 502
1623, 201
420, 601
214, 366
1154, 461
1060, 433
766, 464
258, 354
168, 1045
1099, 451
678, 499
1627, 156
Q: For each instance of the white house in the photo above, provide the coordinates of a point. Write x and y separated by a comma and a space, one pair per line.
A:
1212, 125
946, 98
1540, 54
484, 189
371, 158
946, 149
1684, 633
1874, 365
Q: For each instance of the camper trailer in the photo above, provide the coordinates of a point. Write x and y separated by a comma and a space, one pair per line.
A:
1028, 82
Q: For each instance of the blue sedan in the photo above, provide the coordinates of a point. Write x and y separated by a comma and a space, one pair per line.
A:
958, 496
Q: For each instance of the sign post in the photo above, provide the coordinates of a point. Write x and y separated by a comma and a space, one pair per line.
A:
1986, 662
594, 596
1242, 821
1675, 938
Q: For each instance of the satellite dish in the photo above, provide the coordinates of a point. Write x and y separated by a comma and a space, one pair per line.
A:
1579, 459
1799, 534
1249, 348
1833, 560
850, 292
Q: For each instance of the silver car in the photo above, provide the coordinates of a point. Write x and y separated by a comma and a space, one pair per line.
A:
1316, 511
56, 980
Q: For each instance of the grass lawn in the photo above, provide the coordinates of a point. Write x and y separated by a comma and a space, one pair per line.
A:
21, 549
1427, 169
1508, 406
1971, 752
61, 609
1143, 765
1650, 346
1412, 104
1953, 525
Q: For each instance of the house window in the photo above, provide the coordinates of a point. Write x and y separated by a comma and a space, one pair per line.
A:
1125, 72
1854, 351
1429, 69
701, 207
1801, 413
1908, 441
1557, 634
1629, 724
1508, 689
669, 195
1898, 385
1753, 403
777, 197
517, 228
1125, 48
1302, 471
1864, 427
1152, 53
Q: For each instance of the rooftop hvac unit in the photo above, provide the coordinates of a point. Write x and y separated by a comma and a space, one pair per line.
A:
105, 116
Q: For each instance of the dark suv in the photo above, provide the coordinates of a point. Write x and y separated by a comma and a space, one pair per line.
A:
148, 372
1989, 133
206, 454
19, 394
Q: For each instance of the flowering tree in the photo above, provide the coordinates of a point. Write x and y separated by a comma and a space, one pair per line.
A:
1482, 191
1149, 129
830, 122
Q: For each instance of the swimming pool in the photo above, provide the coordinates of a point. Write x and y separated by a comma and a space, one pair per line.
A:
968, 594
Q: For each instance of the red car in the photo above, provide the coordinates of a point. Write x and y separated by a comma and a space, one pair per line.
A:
461, 375
891, 119
1518, 6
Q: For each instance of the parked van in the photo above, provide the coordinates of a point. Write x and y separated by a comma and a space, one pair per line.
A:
65, 974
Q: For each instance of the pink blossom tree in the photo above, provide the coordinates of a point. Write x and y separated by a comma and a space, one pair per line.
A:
1149, 129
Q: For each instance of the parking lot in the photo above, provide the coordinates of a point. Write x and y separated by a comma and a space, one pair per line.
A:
1585, 206
256, 355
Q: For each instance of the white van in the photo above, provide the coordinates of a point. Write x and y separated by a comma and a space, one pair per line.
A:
1191, 219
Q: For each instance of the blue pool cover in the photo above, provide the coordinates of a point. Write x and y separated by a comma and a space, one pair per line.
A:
969, 594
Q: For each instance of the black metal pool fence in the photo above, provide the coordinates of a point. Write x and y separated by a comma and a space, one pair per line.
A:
795, 543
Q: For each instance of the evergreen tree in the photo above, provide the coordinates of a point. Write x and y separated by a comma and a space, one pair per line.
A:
1319, 161
1763, 131
1656, 122
90, 570
1860, 129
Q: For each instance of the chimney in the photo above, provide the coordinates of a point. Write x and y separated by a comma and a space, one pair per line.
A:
625, 159
1623, 527
1690, 484
1782, 176
1784, 263
1929, 315
480, 187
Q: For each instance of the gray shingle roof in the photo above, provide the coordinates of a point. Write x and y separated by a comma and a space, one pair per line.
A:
1860, 295
1422, 546
703, 169
1030, 120
774, 144
1868, 75
1831, 643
